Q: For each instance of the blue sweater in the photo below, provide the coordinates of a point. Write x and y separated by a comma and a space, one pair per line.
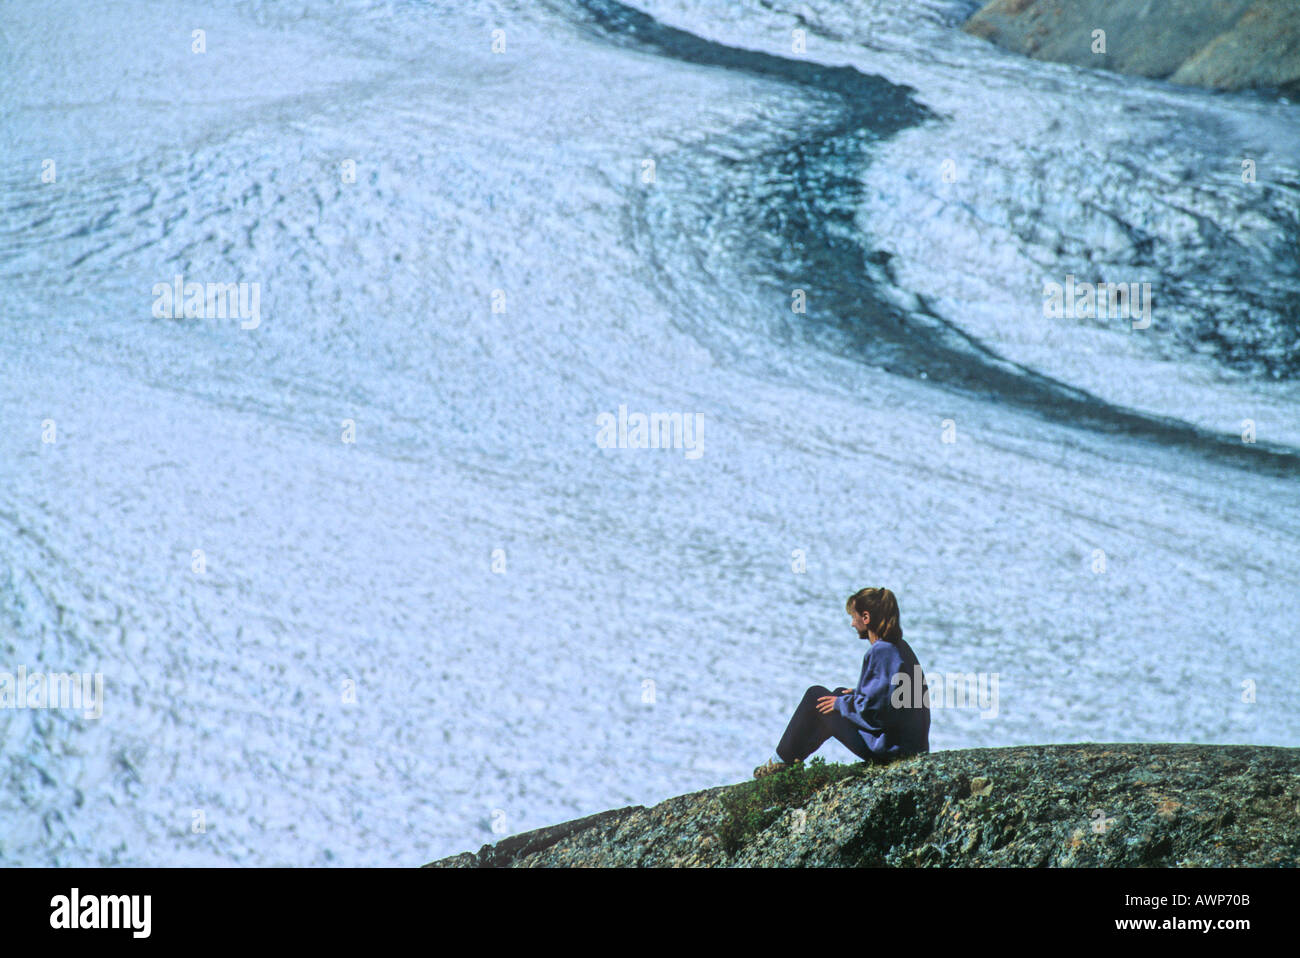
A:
892, 717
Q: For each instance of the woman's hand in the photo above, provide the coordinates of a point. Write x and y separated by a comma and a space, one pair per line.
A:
842, 691
826, 704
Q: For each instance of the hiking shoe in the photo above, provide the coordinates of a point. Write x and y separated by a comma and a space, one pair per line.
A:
769, 767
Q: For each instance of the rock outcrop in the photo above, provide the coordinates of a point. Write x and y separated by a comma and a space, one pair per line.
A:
1225, 44
1051, 805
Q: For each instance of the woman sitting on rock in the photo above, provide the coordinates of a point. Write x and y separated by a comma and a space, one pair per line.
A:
883, 718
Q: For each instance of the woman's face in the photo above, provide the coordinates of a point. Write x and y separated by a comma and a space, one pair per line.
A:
861, 622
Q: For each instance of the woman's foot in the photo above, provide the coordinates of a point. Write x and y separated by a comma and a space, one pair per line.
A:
769, 767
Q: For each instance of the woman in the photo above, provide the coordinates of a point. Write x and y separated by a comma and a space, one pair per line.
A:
878, 721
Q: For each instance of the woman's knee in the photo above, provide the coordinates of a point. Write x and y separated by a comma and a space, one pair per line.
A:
815, 692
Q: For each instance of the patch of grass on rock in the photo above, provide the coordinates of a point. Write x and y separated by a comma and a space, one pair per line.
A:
753, 806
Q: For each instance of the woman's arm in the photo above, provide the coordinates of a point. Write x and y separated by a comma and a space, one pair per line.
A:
867, 706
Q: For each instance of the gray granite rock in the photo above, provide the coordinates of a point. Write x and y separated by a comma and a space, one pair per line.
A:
1127, 805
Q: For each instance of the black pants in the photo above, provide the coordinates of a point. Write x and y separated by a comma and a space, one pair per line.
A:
808, 729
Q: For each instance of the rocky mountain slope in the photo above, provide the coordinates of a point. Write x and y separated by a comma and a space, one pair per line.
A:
1224, 44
